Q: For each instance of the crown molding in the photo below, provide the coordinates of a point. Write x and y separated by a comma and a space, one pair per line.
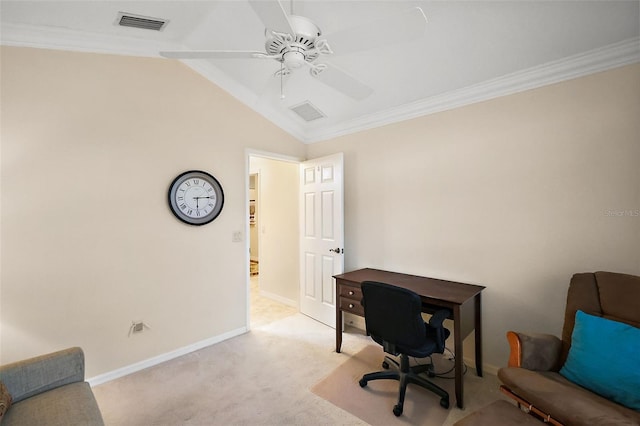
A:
608, 57
24, 35
612, 56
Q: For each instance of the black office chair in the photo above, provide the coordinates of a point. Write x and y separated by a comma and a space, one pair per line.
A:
393, 319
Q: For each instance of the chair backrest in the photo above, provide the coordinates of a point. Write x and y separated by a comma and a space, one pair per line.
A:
606, 294
393, 315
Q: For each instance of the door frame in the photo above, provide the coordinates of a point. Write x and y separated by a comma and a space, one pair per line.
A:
248, 153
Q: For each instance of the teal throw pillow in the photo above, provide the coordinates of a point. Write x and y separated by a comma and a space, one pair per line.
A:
605, 357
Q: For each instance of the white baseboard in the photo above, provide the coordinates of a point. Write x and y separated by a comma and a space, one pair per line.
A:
278, 298
129, 369
486, 368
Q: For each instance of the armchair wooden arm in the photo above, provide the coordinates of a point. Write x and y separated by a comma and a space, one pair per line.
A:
534, 351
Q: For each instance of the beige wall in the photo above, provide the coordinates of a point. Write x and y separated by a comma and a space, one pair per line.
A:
90, 144
516, 193
278, 228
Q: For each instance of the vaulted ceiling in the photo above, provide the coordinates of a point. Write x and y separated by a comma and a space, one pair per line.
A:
463, 52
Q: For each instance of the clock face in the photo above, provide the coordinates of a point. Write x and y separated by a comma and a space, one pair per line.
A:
196, 197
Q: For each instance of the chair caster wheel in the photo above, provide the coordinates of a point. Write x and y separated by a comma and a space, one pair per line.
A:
385, 365
362, 383
444, 402
397, 410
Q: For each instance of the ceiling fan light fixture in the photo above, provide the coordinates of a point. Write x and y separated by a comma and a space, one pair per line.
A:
293, 59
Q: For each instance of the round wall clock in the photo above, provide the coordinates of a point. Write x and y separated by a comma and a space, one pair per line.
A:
196, 197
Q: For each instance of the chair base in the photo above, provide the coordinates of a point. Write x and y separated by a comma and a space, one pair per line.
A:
406, 375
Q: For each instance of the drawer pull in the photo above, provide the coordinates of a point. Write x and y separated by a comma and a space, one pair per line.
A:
351, 293
351, 305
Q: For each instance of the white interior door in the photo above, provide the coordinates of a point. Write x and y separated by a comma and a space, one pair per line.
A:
321, 236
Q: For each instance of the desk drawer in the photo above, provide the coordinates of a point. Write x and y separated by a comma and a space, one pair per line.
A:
350, 292
351, 306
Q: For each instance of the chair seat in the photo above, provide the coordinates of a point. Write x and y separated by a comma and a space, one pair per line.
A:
393, 317
423, 351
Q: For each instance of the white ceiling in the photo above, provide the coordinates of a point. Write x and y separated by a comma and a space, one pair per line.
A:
471, 50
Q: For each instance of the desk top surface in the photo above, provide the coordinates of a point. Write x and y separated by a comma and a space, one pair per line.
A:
434, 288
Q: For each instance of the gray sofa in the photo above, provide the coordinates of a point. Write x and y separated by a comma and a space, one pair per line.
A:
50, 390
533, 377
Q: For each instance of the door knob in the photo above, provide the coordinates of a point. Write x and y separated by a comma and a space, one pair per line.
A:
337, 250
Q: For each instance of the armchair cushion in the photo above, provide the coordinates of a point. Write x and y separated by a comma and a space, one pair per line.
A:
72, 404
538, 351
616, 375
567, 402
33, 376
50, 390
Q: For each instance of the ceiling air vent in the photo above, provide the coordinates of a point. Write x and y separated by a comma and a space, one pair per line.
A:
307, 111
143, 22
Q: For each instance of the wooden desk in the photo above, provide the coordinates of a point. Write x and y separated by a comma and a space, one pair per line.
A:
463, 300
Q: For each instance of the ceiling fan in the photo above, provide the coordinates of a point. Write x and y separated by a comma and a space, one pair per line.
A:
296, 42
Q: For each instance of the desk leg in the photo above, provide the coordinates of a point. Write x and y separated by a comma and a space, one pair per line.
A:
478, 334
459, 357
338, 329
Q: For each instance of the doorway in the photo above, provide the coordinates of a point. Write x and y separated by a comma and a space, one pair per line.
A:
254, 246
272, 243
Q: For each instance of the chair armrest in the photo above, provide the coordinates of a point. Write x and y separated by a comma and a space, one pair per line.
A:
534, 351
32, 376
438, 332
438, 318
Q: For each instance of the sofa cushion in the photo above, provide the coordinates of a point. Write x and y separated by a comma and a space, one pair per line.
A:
596, 366
582, 294
619, 295
72, 404
564, 400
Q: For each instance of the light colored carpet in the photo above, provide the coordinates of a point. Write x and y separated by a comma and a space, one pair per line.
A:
263, 377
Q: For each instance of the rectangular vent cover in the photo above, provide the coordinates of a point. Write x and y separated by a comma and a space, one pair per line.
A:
143, 22
307, 111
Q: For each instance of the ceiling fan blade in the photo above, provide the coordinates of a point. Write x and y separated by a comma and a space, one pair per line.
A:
210, 54
272, 15
334, 77
401, 27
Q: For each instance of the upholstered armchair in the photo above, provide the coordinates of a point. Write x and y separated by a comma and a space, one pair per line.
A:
48, 390
536, 376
